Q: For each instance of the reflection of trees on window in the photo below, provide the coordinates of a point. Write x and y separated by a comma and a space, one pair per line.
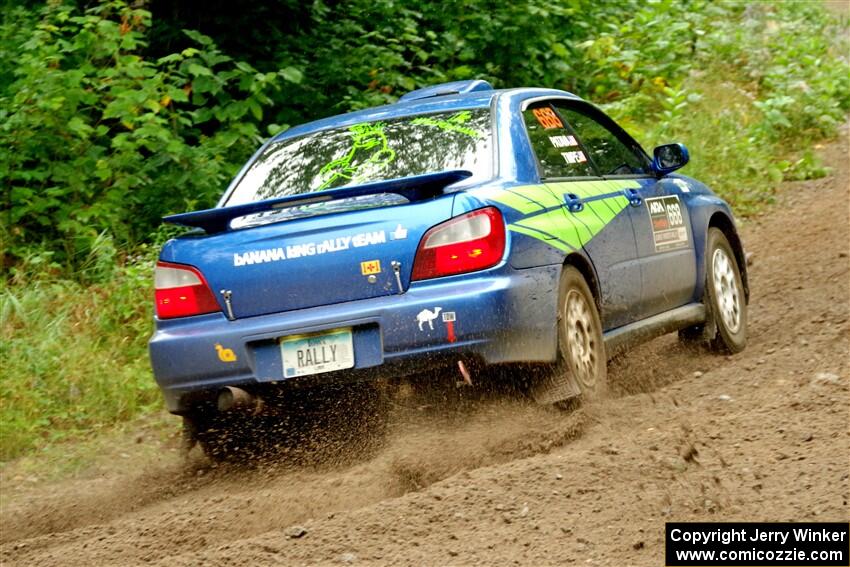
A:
555, 146
454, 123
370, 152
608, 152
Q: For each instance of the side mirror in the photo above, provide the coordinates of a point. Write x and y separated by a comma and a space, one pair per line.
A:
669, 157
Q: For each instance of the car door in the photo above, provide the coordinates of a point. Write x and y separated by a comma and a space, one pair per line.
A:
660, 222
591, 212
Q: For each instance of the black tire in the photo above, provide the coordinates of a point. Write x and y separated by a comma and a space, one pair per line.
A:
332, 423
225, 437
726, 305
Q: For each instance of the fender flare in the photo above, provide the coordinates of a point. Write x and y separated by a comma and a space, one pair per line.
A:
712, 212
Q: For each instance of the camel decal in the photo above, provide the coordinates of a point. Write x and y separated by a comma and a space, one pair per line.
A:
428, 316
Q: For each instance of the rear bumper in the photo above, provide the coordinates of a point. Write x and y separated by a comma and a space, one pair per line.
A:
500, 316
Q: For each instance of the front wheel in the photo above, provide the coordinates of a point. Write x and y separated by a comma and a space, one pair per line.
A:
725, 303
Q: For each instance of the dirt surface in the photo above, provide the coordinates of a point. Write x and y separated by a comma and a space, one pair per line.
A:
685, 435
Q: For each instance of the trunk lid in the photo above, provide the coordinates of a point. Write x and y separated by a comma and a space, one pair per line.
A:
310, 261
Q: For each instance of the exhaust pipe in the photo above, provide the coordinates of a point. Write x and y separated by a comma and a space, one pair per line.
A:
231, 398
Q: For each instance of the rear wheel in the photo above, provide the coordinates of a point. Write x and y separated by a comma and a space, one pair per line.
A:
580, 335
328, 423
582, 367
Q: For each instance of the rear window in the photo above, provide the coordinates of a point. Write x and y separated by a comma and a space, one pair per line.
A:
369, 152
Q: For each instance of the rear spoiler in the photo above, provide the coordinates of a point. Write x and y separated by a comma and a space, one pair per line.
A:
412, 188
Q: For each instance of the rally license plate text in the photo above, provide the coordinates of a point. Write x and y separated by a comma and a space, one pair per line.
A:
317, 353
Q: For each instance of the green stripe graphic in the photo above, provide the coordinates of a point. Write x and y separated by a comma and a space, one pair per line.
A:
547, 219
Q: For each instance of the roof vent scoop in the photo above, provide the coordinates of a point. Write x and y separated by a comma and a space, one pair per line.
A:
455, 87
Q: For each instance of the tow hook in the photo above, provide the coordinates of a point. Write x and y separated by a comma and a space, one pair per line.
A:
397, 271
227, 295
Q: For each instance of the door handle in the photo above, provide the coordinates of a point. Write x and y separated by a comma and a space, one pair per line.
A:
633, 196
573, 202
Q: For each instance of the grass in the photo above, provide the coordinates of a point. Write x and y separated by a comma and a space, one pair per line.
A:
73, 357
715, 128
106, 451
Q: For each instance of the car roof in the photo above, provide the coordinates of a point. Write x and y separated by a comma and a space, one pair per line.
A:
478, 98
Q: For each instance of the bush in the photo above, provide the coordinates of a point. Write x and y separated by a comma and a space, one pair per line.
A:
96, 134
763, 82
96, 137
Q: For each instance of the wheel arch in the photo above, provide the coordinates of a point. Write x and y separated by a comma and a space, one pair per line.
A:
586, 269
726, 225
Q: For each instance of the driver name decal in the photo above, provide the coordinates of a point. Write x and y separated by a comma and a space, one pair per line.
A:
668, 225
574, 157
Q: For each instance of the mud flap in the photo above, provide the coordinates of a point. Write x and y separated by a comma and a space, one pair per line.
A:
709, 328
189, 435
555, 387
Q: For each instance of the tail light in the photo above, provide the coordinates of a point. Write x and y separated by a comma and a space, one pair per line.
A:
470, 242
182, 291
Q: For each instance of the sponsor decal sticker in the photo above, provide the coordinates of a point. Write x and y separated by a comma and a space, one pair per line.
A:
449, 320
370, 150
428, 316
668, 224
400, 233
225, 354
455, 123
370, 267
304, 249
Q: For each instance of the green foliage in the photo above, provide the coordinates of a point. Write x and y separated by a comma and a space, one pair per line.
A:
763, 82
74, 355
367, 52
100, 130
94, 136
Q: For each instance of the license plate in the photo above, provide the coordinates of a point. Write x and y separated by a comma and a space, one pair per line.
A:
317, 352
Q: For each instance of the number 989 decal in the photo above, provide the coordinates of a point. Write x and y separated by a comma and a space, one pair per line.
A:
668, 225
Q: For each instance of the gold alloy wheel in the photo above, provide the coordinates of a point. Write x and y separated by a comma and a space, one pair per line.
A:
583, 345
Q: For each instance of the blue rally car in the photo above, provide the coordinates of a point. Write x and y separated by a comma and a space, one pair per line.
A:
460, 227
